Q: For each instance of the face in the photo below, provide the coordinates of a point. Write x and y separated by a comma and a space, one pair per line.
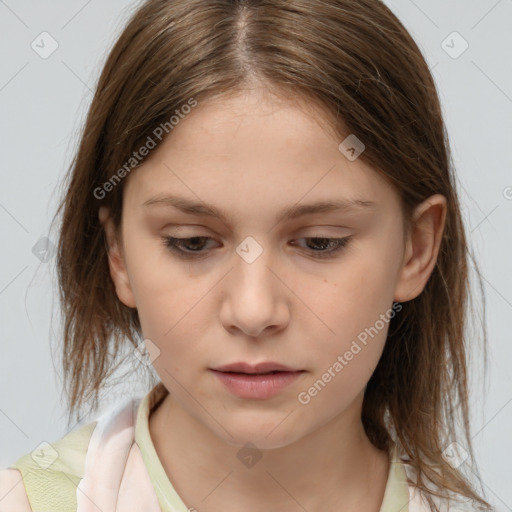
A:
313, 292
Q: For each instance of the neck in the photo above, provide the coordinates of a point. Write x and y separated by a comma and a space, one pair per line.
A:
334, 468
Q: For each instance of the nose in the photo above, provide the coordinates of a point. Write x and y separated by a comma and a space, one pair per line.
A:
255, 300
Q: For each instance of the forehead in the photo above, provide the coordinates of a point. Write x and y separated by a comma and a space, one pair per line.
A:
254, 148
243, 122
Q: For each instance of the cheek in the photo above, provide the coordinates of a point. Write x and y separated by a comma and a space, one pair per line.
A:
344, 361
353, 297
372, 276
356, 305
163, 291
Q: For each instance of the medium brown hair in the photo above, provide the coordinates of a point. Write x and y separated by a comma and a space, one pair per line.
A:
357, 62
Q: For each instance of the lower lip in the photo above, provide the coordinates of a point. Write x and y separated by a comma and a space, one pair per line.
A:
255, 386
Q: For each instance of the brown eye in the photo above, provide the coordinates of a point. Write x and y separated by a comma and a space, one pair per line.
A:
336, 244
186, 247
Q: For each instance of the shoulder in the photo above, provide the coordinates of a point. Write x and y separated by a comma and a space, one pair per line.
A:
12, 492
419, 503
47, 477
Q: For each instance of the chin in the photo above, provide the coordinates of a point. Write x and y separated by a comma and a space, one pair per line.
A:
266, 435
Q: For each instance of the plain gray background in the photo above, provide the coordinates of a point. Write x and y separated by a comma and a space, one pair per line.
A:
43, 102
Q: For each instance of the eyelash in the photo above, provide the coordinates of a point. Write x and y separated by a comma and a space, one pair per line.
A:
174, 244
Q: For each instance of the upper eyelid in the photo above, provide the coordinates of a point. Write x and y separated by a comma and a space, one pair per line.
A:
207, 231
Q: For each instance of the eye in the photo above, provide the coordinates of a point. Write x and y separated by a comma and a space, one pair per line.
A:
335, 244
181, 247
176, 245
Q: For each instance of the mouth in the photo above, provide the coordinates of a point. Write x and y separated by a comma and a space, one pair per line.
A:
267, 367
258, 382
260, 373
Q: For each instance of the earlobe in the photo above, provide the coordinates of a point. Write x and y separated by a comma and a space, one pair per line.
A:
116, 260
422, 247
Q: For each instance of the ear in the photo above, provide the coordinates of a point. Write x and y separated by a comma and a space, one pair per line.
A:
116, 260
422, 247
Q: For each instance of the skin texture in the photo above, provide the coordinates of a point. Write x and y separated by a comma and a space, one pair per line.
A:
252, 155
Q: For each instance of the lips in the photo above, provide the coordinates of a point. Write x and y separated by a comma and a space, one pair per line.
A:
260, 368
257, 382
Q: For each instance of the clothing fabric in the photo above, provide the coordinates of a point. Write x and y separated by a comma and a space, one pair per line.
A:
111, 465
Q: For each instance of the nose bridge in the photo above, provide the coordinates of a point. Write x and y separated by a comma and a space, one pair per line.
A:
252, 266
252, 298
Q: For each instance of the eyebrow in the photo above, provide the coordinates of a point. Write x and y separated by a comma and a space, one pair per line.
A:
292, 212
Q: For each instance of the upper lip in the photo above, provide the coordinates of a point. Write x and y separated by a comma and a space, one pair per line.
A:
264, 367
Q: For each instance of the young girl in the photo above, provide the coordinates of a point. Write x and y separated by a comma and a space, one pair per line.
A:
263, 205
